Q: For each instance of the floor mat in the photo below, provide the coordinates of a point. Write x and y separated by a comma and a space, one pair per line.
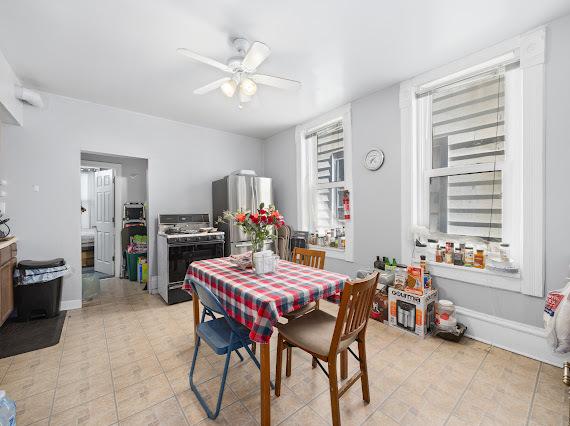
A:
21, 337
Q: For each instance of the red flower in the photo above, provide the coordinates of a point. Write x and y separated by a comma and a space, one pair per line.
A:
263, 219
275, 213
262, 211
254, 217
240, 217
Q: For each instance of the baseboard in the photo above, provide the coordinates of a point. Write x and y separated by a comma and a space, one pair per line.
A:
513, 336
67, 305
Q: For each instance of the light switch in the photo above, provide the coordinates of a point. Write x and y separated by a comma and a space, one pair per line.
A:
36, 188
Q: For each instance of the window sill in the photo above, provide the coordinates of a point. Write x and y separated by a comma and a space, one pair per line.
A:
332, 252
483, 277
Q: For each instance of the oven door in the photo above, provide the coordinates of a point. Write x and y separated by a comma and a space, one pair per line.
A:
181, 255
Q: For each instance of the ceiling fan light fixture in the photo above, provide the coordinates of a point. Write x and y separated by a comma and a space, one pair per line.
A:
229, 88
247, 87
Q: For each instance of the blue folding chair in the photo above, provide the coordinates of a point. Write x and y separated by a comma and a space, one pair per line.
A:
224, 335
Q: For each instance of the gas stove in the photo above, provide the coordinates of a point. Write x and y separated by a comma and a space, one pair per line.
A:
180, 242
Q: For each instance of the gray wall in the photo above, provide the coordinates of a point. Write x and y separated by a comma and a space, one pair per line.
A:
182, 162
376, 122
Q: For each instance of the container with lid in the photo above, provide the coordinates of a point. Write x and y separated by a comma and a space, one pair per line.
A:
446, 315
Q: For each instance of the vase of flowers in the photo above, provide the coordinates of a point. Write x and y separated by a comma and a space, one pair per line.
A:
258, 225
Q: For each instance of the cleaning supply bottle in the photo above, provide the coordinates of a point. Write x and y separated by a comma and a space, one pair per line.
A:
7, 410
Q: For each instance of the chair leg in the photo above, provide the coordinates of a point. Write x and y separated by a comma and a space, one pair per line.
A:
314, 364
253, 347
333, 390
222, 385
279, 365
289, 361
363, 370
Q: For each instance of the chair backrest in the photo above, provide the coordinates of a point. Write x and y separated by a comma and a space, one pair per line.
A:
208, 299
354, 311
307, 257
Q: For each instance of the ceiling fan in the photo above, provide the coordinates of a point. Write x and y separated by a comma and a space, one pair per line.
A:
242, 67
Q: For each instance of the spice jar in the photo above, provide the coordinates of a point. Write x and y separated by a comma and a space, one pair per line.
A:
504, 250
458, 257
469, 257
439, 254
479, 259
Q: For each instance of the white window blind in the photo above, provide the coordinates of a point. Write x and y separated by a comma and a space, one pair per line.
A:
467, 132
328, 176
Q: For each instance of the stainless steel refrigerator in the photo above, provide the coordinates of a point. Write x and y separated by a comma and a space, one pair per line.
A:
239, 192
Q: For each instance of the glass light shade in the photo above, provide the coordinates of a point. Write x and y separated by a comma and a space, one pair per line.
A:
228, 88
248, 87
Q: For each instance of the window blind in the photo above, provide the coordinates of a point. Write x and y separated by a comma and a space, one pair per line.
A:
468, 128
329, 162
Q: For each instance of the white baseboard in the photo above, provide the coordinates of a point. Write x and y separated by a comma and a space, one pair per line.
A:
67, 305
513, 336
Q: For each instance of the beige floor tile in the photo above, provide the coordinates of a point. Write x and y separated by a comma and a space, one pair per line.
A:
281, 407
305, 416
30, 366
140, 396
209, 391
82, 391
178, 377
129, 354
97, 412
96, 363
235, 414
81, 353
34, 408
167, 413
135, 371
175, 358
32, 385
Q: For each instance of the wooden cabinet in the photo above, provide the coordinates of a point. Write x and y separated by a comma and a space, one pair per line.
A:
7, 265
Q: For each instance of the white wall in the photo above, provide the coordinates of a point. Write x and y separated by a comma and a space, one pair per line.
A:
182, 162
10, 107
376, 122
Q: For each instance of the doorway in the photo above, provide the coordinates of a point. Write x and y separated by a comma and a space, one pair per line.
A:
113, 198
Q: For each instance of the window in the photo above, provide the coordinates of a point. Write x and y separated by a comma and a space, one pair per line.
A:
465, 146
324, 183
466, 140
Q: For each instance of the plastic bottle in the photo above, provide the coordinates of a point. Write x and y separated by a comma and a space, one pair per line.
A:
7, 410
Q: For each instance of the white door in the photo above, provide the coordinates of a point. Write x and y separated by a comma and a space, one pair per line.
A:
104, 222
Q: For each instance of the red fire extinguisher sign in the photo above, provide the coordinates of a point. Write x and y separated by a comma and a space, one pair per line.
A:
346, 205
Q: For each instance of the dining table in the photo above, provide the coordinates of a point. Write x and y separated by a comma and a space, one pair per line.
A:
258, 301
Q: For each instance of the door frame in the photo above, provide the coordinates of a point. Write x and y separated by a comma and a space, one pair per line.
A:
117, 174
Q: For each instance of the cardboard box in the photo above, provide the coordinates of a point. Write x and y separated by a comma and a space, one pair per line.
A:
380, 305
412, 312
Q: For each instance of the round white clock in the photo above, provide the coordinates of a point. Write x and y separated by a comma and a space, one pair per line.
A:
374, 159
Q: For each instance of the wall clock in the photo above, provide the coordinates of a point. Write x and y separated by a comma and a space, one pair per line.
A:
374, 159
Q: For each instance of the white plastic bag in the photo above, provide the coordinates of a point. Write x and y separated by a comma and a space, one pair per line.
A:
557, 319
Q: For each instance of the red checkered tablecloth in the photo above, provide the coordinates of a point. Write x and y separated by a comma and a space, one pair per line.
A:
258, 301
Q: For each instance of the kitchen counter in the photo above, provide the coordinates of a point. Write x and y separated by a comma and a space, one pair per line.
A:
7, 242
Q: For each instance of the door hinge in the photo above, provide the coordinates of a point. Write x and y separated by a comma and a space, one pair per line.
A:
113, 258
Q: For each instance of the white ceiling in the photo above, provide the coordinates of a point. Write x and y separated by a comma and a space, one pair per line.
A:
123, 53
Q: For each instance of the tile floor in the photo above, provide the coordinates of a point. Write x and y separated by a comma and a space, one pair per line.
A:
124, 360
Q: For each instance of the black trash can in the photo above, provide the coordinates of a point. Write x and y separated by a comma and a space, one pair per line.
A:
41, 299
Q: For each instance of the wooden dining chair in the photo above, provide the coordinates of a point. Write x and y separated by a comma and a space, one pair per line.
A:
324, 337
314, 259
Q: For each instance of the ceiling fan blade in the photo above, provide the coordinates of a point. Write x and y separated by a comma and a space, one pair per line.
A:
212, 86
203, 59
257, 53
279, 82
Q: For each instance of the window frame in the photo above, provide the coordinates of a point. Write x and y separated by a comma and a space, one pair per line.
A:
306, 177
528, 49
